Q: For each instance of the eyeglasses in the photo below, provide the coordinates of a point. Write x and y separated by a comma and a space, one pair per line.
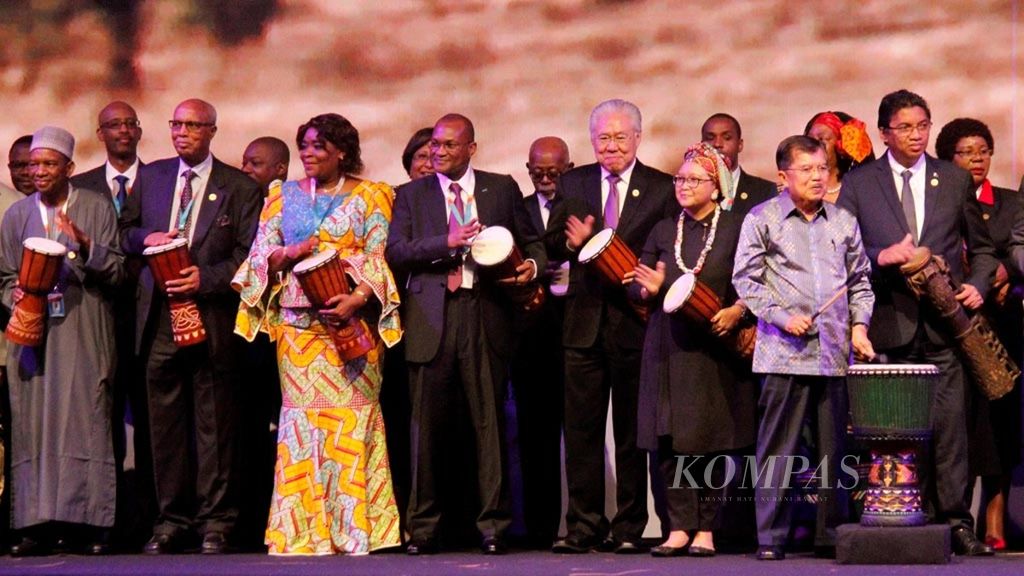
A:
806, 171
129, 123
689, 181
539, 175
620, 139
189, 126
904, 130
972, 154
448, 145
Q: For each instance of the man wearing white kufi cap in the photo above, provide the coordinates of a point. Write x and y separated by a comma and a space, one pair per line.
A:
62, 472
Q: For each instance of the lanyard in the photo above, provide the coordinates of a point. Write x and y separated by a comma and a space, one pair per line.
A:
185, 213
44, 215
468, 207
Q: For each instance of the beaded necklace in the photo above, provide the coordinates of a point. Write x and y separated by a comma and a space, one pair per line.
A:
707, 243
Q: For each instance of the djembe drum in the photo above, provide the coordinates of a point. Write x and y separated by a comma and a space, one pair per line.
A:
607, 253
698, 304
322, 278
495, 251
890, 409
166, 262
41, 260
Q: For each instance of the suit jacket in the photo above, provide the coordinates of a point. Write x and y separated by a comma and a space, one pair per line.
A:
221, 239
651, 198
751, 191
418, 246
952, 216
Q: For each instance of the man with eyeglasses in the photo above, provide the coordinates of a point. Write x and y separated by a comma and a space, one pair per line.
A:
18, 164
603, 334
537, 363
723, 132
192, 389
794, 254
458, 335
119, 130
905, 199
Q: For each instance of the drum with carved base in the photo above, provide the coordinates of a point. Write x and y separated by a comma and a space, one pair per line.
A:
166, 262
322, 278
41, 260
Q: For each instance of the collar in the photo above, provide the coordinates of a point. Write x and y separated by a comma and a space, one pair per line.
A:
130, 173
624, 176
789, 207
898, 168
736, 176
202, 169
467, 182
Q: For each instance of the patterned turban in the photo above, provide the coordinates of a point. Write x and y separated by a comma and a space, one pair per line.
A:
851, 138
712, 161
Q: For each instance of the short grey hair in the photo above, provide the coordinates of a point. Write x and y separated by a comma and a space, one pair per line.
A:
615, 105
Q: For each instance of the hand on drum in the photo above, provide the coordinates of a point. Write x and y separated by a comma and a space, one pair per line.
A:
969, 297
463, 235
160, 238
577, 231
726, 319
187, 285
525, 272
649, 279
343, 306
798, 325
898, 253
68, 227
863, 351
17, 294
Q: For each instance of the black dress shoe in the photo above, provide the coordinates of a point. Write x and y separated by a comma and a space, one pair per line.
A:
98, 549
421, 547
701, 552
771, 553
214, 543
965, 543
627, 547
826, 552
574, 544
30, 547
493, 546
669, 551
162, 544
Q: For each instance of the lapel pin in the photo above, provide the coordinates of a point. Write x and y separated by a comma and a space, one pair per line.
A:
72, 255
636, 193
985, 216
935, 180
743, 195
212, 197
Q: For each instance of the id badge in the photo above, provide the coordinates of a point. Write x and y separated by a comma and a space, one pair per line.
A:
55, 304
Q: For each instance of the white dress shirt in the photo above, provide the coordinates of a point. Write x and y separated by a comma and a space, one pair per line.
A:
917, 178
199, 182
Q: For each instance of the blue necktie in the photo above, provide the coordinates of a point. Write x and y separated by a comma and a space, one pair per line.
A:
122, 192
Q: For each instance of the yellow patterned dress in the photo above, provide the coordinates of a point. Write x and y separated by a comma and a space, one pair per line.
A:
332, 482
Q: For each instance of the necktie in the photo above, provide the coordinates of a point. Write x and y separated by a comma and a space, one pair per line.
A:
185, 208
458, 210
908, 205
611, 205
122, 192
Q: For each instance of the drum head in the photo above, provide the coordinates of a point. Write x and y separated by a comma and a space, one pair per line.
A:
314, 261
172, 245
492, 246
891, 369
45, 246
596, 245
678, 293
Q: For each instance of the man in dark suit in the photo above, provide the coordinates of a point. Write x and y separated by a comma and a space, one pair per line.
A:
192, 388
119, 130
457, 325
538, 366
603, 335
723, 132
903, 200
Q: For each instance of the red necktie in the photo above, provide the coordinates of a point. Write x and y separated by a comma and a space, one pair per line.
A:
458, 210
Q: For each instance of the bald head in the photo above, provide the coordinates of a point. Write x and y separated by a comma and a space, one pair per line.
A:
192, 129
119, 130
201, 107
549, 159
266, 159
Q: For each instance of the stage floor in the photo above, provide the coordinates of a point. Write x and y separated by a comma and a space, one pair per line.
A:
466, 563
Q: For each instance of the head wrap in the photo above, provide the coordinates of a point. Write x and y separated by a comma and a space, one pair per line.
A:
54, 138
712, 161
851, 137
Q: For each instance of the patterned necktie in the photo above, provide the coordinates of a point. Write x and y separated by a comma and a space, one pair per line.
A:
185, 210
611, 205
122, 192
458, 212
908, 205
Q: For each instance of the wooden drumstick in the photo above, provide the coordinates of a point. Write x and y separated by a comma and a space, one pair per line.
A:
828, 303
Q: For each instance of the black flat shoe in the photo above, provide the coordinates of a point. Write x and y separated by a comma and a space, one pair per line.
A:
771, 553
421, 547
30, 547
493, 546
669, 551
701, 552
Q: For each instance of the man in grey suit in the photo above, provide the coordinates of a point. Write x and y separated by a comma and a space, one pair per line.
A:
905, 199
723, 132
216, 207
457, 325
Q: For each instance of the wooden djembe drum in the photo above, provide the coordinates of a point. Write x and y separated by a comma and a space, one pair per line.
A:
890, 409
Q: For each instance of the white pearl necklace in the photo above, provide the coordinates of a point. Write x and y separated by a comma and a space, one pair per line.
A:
707, 243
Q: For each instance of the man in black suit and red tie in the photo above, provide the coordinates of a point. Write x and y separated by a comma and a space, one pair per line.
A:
457, 325
192, 389
119, 130
723, 132
905, 199
603, 335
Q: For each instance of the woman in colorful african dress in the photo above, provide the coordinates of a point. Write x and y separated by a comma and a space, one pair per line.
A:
332, 482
